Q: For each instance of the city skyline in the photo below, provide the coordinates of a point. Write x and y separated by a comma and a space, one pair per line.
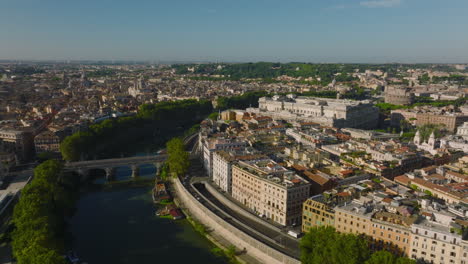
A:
354, 31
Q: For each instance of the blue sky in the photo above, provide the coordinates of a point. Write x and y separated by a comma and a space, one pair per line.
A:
236, 30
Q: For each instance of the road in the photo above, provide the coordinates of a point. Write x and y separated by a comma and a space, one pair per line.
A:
278, 240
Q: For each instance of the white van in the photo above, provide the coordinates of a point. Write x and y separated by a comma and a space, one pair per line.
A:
294, 234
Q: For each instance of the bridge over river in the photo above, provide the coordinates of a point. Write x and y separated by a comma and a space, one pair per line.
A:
110, 165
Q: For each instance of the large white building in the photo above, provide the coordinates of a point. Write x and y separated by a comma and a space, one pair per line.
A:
330, 112
463, 130
455, 142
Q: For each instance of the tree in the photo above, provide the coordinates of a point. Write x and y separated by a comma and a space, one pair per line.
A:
158, 122
36, 254
178, 158
39, 217
381, 257
324, 245
213, 116
403, 260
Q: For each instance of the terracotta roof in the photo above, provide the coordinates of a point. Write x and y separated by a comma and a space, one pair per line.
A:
429, 168
458, 175
298, 167
316, 178
387, 200
403, 179
343, 194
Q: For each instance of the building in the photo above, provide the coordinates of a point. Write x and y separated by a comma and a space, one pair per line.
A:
222, 167
317, 212
329, 112
392, 231
399, 95
270, 190
429, 115
455, 142
451, 121
47, 141
435, 243
319, 182
18, 141
353, 218
463, 130
210, 145
431, 145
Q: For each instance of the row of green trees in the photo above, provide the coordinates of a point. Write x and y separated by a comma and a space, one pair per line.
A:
39, 216
325, 245
178, 159
269, 70
150, 128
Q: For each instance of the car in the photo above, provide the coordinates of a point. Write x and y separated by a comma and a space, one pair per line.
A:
294, 234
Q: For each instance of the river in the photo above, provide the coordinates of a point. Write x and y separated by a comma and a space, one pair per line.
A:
119, 227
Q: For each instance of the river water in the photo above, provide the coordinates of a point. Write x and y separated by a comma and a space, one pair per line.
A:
119, 227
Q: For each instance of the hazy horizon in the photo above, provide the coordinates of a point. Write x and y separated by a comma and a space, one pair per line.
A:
332, 31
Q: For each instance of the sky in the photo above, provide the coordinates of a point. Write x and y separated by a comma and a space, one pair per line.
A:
360, 31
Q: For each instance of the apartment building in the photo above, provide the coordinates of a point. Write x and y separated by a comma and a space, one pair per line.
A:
210, 145
222, 166
353, 218
435, 243
47, 141
270, 190
451, 121
393, 230
317, 212
17, 141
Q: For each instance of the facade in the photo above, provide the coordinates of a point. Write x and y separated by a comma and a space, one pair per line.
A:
399, 95
402, 114
431, 145
270, 190
222, 170
353, 218
392, 231
19, 142
463, 130
423, 116
434, 243
209, 145
316, 212
330, 112
442, 192
450, 121
47, 141
455, 142
222, 167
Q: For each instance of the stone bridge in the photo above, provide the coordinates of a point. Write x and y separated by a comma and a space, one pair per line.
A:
110, 165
